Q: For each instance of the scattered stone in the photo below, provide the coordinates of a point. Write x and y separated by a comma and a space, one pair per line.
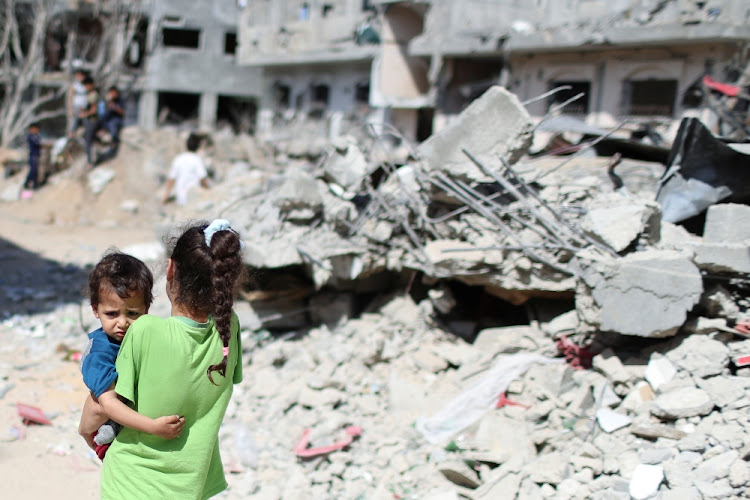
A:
655, 431
610, 420
98, 179
610, 366
659, 371
682, 403
700, 356
727, 223
645, 481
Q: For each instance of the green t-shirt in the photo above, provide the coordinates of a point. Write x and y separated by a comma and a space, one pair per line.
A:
162, 369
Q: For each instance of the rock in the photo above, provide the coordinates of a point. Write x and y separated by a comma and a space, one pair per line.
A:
655, 431
297, 190
12, 191
659, 371
346, 166
727, 223
495, 125
718, 489
610, 366
715, 468
618, 220
442, 299
507, 339
565, 323
724, 390
700, 356
604, 396
719, 303
693, 442
654, 456
661, 285
551, 468
640, 395
690, 493
722, 257
130, 206
506, 487
682, 403
459, 473
610, 420
98, 179
645, 481
739, 474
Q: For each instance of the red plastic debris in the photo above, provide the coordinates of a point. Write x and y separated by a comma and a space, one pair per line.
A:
302, 451
725, 88
503, 400
578, 357
32, 415
742, 360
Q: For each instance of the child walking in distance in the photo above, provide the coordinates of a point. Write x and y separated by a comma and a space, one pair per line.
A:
120, 291
34, 141
187, 362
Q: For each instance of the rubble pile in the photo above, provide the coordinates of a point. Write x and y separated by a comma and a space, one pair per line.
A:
628, 378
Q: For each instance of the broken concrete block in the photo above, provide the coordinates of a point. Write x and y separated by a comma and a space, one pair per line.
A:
618, 220
659, 371
682, 403
661, 286
551, 468
610, 420
565, 323
604, 396
442, 299
724, 390
507, 339
459, 473
718, 302
495, 125
645, 481
297, 189
727, 223
718, 489
700, 356
610, 366
346, 166
722, 257
655, 431
678, 493
640, 395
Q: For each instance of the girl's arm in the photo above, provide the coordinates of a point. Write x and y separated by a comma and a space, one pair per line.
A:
167, 427
92, 418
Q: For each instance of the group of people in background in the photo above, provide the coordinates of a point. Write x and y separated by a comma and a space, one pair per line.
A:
95, 113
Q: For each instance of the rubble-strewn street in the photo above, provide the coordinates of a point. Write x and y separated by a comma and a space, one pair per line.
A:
453, 320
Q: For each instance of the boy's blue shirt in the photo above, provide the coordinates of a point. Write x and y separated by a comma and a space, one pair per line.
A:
98, 363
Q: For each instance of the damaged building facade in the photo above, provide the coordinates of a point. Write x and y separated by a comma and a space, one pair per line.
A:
415, 65
175, 60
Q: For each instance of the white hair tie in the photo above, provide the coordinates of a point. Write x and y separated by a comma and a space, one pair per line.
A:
216, 226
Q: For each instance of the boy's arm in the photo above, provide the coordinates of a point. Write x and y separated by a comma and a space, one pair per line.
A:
167, 427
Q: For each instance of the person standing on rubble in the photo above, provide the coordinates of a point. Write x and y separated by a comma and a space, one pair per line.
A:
187, 172
188, 362
77, 95
90, 117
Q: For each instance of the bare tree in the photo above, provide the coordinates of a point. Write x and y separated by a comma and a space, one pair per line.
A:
23, 32
22, 35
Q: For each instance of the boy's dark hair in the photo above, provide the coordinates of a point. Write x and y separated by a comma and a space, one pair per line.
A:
122, 273
88, 80
194, 142
33, 125
113, 88
208, 277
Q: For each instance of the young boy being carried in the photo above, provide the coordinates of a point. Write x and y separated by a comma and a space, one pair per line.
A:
120, 291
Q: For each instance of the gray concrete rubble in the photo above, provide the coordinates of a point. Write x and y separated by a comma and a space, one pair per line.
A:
515, 329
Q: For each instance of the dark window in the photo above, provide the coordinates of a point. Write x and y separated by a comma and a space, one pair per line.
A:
238, 112
650, 97
180, 37
319, 100
175, 107
327, 9
283, 95
578, 107
230, 43
362, 92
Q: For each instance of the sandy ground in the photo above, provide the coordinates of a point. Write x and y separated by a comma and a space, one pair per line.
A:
48, 461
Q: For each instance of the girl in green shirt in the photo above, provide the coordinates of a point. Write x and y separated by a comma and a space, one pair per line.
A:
187, 363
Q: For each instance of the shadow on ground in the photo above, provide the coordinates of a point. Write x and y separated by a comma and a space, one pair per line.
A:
30, 284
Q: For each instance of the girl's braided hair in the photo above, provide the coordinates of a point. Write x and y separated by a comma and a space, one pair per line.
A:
208, 278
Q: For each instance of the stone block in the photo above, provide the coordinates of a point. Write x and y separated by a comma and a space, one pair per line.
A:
618, 220
495, 125
722, 257
646, 294
700, 356
682, 403
727, 223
